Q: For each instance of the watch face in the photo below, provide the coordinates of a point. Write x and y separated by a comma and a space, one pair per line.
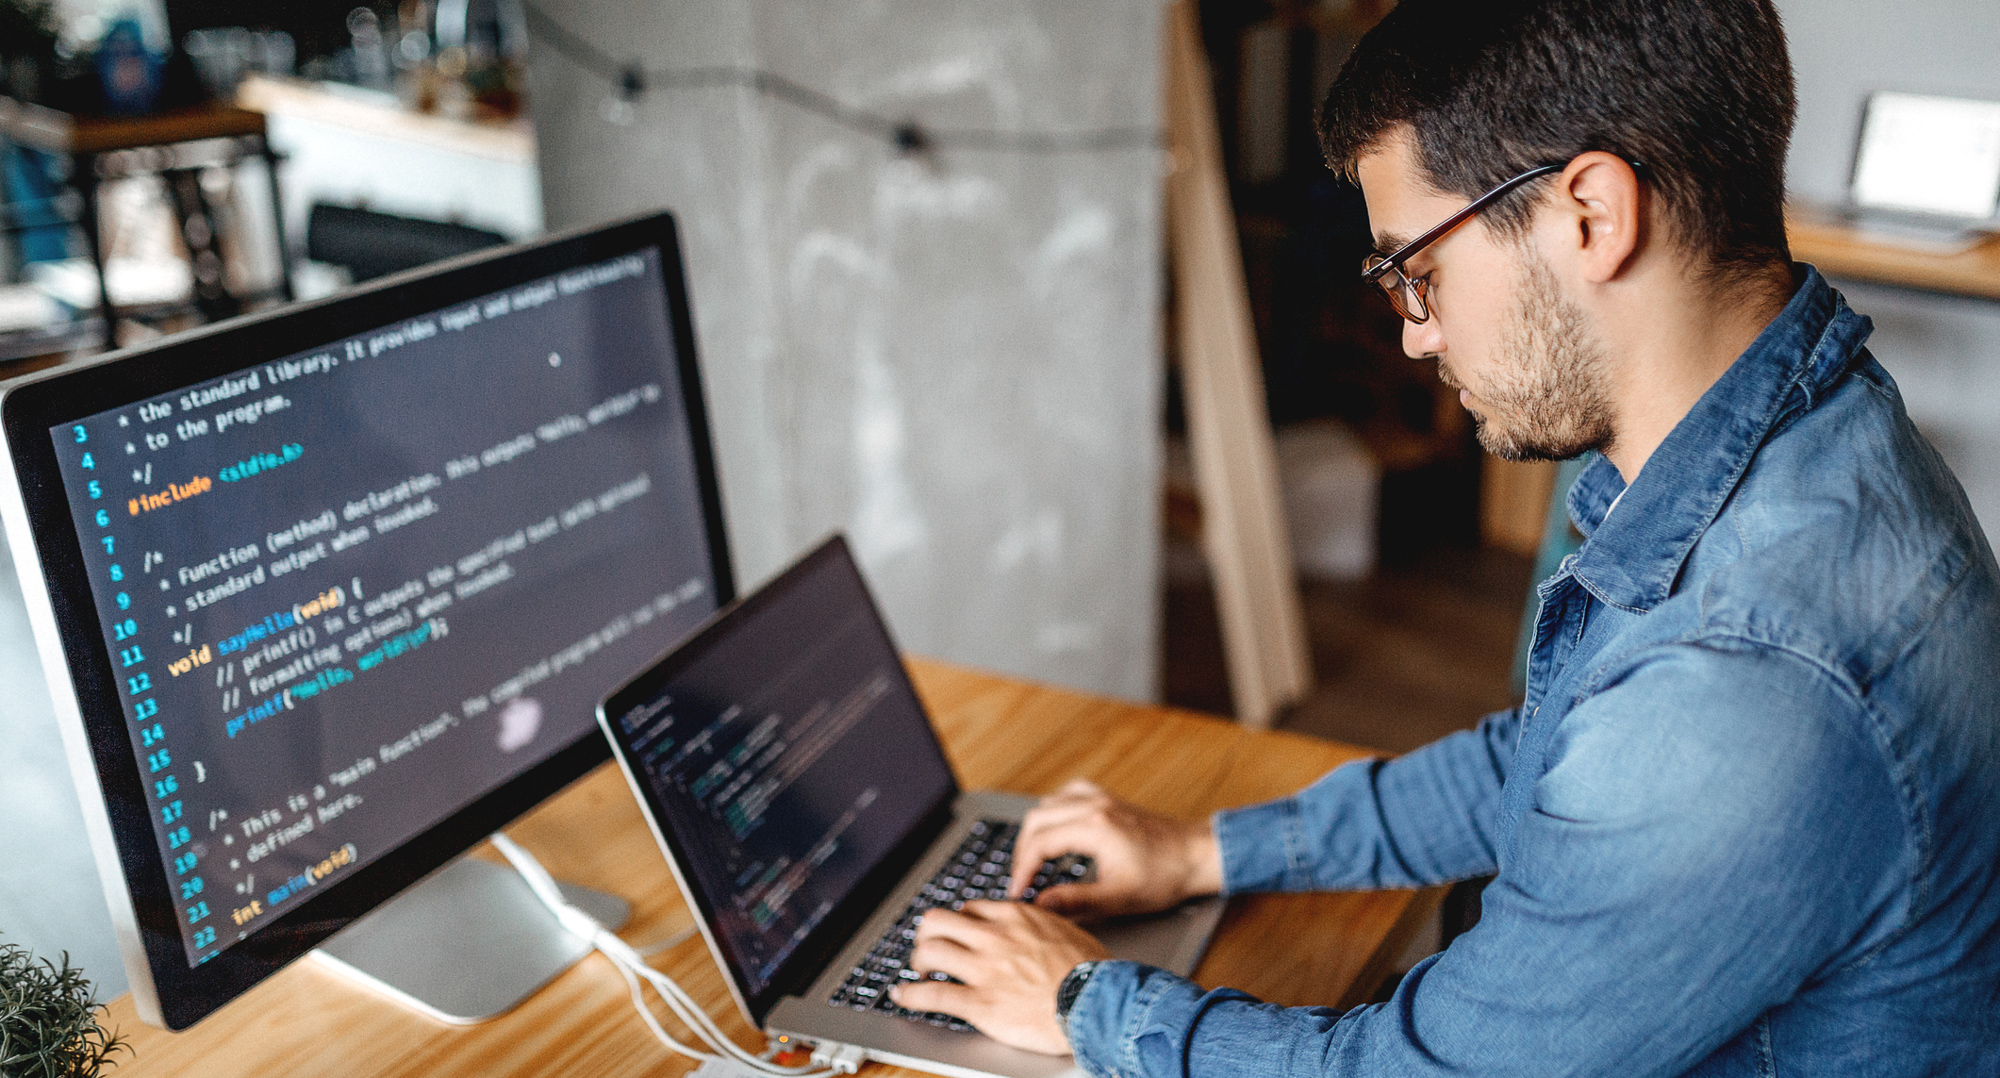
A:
1072, 987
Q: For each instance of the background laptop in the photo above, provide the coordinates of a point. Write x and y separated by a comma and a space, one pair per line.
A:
1927, 168
794, 782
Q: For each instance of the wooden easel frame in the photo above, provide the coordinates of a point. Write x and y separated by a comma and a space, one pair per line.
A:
1235, 461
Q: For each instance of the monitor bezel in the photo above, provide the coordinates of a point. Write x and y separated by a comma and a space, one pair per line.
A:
804, 964
78, 664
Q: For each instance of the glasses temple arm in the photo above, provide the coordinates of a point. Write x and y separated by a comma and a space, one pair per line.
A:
1396, 259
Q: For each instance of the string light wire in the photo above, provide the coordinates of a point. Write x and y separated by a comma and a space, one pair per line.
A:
634, 81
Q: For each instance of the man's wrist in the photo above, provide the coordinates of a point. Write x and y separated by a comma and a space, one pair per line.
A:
1204, 853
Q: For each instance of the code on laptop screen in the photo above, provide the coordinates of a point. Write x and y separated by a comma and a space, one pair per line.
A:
347, 592
788, 757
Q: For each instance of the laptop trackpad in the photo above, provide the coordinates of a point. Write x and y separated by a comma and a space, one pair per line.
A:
1171, 941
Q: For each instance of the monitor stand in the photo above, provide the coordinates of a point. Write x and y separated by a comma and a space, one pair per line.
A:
466, 944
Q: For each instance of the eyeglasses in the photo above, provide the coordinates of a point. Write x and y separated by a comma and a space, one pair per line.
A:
1409, 296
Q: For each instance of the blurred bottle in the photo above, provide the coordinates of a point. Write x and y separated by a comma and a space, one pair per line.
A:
369, 54
417, 80
223, 55
482, 46
128, 72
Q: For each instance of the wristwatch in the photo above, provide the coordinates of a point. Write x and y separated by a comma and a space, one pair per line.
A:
1072, 987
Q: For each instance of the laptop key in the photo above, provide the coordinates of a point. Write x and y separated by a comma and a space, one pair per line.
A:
977, 870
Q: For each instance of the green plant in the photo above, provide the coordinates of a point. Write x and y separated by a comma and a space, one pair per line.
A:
48, 1020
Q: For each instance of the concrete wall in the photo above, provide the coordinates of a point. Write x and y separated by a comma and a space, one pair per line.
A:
1944, 353
50, 900
955, 358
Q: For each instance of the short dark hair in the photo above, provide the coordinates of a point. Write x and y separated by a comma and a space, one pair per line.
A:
1700, 91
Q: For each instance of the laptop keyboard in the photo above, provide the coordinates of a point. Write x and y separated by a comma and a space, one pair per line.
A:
978, 869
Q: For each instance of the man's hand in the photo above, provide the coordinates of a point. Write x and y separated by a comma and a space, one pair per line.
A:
1145, 862
1012, 958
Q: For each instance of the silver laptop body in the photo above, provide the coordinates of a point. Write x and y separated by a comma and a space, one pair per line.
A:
820, 598
1171, 941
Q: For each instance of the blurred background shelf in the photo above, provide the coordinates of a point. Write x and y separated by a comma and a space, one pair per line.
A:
1847, 251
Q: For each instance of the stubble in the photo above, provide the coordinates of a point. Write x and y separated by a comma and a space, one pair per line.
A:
1550, 402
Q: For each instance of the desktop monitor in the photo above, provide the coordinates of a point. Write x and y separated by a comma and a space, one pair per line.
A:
328, 595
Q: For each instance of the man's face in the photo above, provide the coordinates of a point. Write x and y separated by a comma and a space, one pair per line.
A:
1503, 331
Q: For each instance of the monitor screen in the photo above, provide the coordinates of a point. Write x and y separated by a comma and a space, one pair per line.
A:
1932, 155
345, 591
785, 755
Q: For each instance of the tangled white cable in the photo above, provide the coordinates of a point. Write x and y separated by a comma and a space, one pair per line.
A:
632, 966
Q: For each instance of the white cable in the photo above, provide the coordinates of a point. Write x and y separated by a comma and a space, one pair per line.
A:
646, 1015
631, 965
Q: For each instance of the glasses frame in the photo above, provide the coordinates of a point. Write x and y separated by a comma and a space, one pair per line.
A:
1409, 296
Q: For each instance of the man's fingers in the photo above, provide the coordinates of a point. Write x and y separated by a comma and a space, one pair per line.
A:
1074, 898
1076, 796
942, 996
1085, 836
1078, 800
941, 956
1020, 876
1056, 814
959, 928
994, 913
1023, 871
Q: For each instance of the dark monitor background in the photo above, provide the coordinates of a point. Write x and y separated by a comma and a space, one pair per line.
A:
337, 590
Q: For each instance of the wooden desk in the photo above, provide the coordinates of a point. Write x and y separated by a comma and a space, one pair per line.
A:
1843, 251
1292, 949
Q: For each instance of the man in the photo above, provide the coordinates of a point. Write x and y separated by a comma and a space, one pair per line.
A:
1747, 819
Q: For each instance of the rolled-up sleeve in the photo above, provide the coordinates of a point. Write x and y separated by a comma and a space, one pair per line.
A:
1417, 820
1709, 832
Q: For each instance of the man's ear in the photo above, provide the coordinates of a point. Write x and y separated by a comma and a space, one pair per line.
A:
1602, 207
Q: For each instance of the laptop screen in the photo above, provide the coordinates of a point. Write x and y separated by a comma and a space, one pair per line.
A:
785, 758
1932, 155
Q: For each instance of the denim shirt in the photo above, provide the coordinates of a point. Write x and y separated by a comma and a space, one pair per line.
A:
1747, 820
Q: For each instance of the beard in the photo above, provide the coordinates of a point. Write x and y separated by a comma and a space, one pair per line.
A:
1550, 401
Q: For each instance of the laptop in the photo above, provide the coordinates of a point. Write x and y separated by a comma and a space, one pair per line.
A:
801, 797
1926, 171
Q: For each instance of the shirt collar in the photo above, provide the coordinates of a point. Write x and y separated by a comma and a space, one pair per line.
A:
1632, 560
